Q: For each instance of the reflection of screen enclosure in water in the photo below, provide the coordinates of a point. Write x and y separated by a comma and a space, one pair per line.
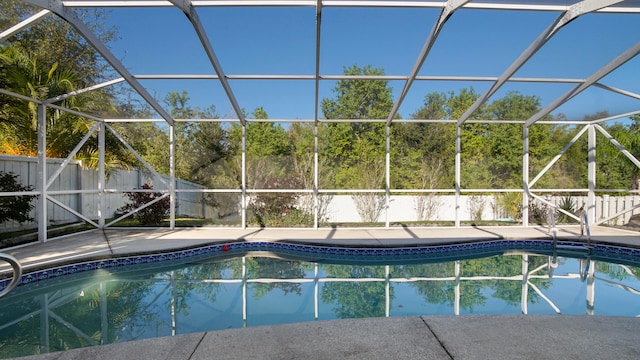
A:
97, 308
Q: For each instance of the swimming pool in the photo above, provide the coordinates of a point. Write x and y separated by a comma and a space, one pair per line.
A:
250, 284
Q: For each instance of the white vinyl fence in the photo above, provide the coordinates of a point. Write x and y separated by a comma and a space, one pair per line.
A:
75, 178
342, 208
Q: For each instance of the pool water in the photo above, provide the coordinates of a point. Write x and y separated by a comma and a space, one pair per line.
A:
260, 288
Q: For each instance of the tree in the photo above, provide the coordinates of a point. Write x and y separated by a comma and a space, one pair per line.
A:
200, 146
427, 149
51, 58
302, 139
23, 75
359, 299
614, 169
15, 208
270, 165
356, 150
53, 40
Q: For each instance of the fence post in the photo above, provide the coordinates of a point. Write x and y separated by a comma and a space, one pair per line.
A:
606, 204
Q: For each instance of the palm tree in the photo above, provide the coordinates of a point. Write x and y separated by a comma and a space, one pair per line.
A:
22, 73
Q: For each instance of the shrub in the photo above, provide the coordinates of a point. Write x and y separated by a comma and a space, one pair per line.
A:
153, 214
538, 212
278, 209
14, 207
567, 205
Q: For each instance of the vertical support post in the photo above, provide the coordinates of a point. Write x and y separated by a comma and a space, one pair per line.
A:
172, 178
457, 170
42, 173
524, 300
387, 172
80, 186
525, 176
101, 176
316, 200
591, 170
243, 174
456, 304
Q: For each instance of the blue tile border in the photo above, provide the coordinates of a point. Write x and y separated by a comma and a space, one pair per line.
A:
345, 254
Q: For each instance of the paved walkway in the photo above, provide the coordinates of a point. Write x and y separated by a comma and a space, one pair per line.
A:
445, 337
119, 242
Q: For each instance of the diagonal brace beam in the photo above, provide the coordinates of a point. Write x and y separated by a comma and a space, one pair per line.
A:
192, 15
57, 7
574, 11
445, 14
595, 77
24, 23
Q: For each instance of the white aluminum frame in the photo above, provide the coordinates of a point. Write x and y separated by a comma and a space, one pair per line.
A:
566, 13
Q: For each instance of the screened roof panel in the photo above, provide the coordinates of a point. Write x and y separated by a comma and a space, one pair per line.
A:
202, 93
483, 42
147, 45
267, 38
387, 38
293, 99
598, 100
625, 77
262, 40
545, 92
416, 97
583, 46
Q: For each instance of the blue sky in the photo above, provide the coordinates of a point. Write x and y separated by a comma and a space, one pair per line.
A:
281, 40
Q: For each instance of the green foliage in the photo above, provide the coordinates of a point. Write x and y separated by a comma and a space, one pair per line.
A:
511, 204
567, 204
615, 170
278, 209
355, 151
258, 267
153, 214
355, 299
15, 208
359, 98
47, 59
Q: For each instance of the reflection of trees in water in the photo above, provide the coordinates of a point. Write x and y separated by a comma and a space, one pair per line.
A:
441, 292
188, 282
355, 299
471, 291
616, 271
503, 266
269, 268
75, 318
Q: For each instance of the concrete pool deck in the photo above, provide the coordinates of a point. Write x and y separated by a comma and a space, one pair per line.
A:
423, 337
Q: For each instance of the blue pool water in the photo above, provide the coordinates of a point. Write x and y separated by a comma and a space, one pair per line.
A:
251, 284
